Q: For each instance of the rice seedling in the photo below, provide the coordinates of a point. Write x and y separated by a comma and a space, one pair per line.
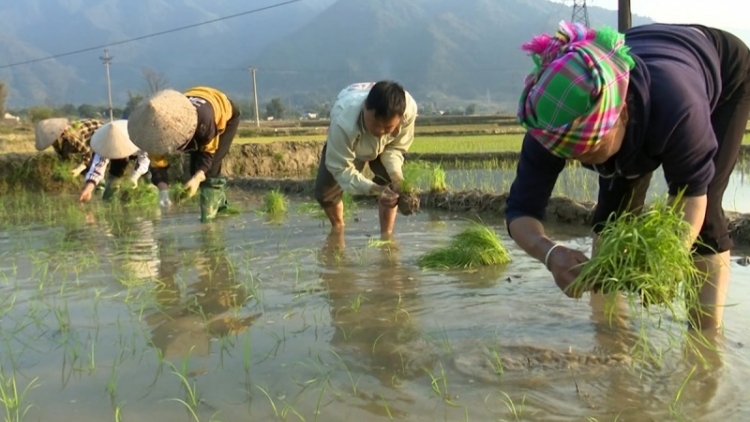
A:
437, 179
645, 255
517, 412
274, 203
477, 245
179, 194
350, 207
144, 194
13, 399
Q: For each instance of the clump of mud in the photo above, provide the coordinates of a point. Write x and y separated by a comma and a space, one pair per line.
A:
488, 365
408, 203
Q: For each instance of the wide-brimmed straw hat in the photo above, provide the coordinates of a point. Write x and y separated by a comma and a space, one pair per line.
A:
162, 122
48, 130
111, 141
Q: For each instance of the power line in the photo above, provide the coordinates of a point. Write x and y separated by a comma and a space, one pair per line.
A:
83, 50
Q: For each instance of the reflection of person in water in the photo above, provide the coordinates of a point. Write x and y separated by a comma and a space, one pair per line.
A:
213, 304
634, 395
373, 312
136, 252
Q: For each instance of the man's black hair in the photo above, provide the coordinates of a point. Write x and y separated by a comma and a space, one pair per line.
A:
387, 99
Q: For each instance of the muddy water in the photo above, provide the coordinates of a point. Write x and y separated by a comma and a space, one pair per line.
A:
266, 322
581, 184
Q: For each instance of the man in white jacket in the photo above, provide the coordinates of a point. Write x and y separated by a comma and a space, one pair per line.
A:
371, 123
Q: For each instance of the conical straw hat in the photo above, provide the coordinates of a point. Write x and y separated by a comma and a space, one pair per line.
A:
162, 122
48, 130
112, 141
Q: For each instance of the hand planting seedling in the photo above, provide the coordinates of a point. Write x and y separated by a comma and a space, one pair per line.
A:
644, 255
178, 193
478, 245
407, 188
408, 200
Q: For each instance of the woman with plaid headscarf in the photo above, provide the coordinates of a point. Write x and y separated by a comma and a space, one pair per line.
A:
675, 96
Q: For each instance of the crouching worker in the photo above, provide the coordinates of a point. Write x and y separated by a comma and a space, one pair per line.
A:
111, 145
201, 122
371, 123
660, 95
71, 140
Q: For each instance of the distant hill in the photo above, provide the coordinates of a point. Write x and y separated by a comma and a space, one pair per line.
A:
216, 54
440, 49
444, 51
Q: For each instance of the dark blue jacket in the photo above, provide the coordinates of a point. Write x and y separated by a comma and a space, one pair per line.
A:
673, 90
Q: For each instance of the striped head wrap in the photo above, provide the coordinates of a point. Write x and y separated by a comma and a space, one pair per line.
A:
577, 88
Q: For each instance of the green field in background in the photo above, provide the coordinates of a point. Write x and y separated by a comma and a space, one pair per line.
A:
437, 144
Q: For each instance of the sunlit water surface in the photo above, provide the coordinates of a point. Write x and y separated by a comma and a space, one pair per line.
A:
105, 315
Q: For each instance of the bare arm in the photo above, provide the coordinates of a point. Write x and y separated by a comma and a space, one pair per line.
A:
695, 214
529, 234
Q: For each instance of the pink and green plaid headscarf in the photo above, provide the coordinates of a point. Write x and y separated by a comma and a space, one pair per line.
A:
576, 91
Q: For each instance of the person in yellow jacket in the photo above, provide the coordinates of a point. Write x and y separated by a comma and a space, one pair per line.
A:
201, 122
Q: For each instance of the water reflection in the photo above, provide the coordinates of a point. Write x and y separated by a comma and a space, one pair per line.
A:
581, 184
195, 312
682, 386
373, 303
136, 255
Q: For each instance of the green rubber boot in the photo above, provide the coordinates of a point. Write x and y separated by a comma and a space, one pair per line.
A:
111, 187
213, 198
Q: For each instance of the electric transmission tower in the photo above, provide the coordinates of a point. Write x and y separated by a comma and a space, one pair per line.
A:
580, 13
107, 60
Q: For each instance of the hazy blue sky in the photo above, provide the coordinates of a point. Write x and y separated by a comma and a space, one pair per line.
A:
731, 15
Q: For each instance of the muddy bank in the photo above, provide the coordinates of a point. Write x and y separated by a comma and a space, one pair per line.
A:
276, 159
35, 171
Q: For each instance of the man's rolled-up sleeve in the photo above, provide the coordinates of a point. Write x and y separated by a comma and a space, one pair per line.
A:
340, 162
393, 154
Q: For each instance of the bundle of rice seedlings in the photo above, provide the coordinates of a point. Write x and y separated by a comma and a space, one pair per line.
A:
145, 194
274, 202
646, 256
178, 193
408, 199
478, 245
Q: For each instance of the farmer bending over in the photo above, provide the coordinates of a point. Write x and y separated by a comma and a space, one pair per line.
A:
370, 123
69, 139
676, 96
201, 122
111, 143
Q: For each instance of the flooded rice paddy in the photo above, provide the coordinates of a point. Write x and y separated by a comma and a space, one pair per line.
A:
581, 184
141, 315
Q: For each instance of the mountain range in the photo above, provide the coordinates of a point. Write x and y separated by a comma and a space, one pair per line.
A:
443, 51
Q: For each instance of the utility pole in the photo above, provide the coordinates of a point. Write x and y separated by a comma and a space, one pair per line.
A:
624, 17
580, 13
107, 59
255, 95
